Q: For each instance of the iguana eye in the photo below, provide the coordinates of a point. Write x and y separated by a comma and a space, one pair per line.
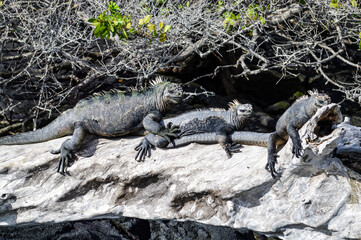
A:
241, 111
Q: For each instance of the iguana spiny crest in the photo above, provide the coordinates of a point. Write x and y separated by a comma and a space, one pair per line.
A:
315, 100
164, 94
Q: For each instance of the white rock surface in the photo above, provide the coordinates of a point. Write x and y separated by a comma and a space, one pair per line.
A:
316, 197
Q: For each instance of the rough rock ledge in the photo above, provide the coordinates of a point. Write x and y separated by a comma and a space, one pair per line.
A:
316, 196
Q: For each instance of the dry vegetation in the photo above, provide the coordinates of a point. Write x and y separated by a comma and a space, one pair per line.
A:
49, 55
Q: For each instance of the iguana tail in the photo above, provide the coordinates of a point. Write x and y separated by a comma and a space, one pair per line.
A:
246, 138
250, 138
57, 128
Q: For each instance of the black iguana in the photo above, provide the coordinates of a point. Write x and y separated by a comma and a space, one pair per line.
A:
110, 114
221, 122
290, 122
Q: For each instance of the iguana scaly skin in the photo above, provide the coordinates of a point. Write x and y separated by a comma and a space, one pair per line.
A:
290, 122
241, 137
221, 122
111, 114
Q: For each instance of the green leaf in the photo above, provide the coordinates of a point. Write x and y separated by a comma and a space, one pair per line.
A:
353, 3
101, 16
160, 25
303, 2
359, 45
231, 22
96, 31
113, 7
334, 4
91, 20
162, 37
251, 13
111, 28
125, 34
151, 27
263, 21
129, 25
1, 3
132, 31
103, 32
146, 19
167, 28
187, 5
141, 22
359, 35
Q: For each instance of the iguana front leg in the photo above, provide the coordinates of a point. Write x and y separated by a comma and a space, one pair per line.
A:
292, 130
151, 123
70, 145
272, 155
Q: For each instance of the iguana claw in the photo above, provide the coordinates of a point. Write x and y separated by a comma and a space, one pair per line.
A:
297, 150
231, 148
169, 132
143, 149
65, 156
270, 166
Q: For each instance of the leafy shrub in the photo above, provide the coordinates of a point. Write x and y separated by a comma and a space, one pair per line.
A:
253, 12
113, 22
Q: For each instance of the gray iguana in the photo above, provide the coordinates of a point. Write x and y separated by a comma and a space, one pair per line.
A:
289, 124
111, 114
221, 122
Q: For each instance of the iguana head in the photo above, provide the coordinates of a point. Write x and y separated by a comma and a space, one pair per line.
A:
173, 93
319, 99
240, 113
168, 94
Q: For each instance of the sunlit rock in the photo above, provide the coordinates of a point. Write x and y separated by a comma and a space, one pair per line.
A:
315, 197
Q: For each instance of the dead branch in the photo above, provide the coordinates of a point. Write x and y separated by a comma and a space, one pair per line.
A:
48, 49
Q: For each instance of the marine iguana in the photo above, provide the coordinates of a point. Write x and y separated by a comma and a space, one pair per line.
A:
221, 122
110, 114
290, 122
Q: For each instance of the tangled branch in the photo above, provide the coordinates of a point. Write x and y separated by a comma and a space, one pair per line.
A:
49, 55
